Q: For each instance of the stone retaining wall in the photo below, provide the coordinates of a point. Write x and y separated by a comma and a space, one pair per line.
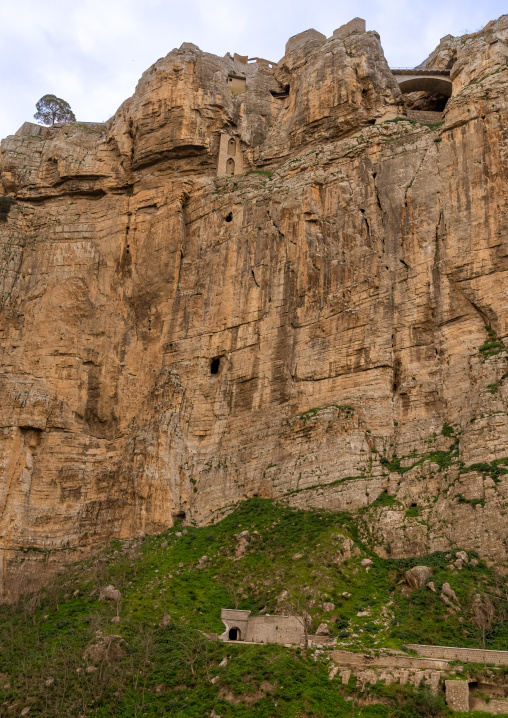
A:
467, 655
347, 658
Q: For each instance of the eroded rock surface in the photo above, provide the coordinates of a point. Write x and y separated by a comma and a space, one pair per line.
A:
327, 327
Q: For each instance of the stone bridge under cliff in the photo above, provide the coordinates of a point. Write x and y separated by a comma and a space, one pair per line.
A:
435, 81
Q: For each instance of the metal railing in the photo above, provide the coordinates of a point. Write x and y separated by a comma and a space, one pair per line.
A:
416, 71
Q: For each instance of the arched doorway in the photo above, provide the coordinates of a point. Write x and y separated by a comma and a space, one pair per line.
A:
234, 634
230, 166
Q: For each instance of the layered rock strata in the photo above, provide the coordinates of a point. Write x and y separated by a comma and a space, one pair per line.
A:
328, 327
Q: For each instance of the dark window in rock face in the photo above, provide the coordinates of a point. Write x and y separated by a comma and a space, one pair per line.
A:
5, 206
215, 365
234, 634
229, 217
230, 166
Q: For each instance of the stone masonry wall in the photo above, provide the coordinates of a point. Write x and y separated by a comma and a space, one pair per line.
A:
467, 655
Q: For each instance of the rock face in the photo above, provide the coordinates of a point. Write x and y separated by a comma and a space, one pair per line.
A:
326, 327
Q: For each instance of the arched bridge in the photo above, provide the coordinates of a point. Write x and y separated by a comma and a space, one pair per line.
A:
436, 81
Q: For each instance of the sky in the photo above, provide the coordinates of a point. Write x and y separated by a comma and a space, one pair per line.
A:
92, 52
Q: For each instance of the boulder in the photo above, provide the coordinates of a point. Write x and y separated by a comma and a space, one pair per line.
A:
448, 591
243, 540
328, 606
105, 648
322, 630
417, 576
462, 555
110, 593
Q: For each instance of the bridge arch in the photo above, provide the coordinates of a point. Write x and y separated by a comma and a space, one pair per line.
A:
432, 81
436, 85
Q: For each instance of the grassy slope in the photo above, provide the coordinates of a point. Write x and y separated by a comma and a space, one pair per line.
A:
166, 671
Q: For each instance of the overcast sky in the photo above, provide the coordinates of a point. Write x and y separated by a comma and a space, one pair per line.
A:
92, 52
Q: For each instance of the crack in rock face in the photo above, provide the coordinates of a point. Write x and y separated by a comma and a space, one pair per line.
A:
321, 320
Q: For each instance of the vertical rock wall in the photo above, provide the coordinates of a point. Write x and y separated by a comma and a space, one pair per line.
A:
351, 287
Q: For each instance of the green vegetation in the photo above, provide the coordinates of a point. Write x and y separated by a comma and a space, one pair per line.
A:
447, 430
155, 667
444, 459
342, 409
264, 173
51, 109
491, 346
472, 502
430, 125
385, 499
495, 469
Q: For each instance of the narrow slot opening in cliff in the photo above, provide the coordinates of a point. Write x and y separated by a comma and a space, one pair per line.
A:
280, 94
215, 365
234, 634
229, 217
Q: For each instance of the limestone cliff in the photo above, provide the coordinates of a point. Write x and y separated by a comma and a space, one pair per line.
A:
326, 327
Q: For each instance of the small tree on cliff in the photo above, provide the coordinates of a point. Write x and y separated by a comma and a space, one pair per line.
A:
51, 109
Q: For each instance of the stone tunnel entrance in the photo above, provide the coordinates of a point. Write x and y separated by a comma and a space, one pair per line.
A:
234, 634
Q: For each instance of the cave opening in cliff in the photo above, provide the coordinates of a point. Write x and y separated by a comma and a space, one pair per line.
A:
215, 365
229, 217
280, 94
180, 516
425, 101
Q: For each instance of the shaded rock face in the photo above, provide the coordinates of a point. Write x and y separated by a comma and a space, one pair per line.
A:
172, 342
